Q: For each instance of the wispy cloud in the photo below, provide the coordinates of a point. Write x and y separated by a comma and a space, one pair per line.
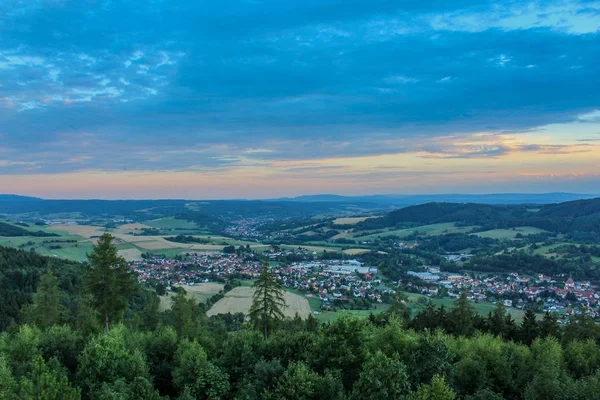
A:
308, 89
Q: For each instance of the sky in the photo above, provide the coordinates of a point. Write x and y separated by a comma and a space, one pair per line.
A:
269, 98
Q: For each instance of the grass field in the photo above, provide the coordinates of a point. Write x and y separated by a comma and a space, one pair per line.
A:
431, 230
318, 249
200, 292
240, 299
354, 252
329, 316
349, 221
482, 308
510, 233
131, 246
171, 223
548, 250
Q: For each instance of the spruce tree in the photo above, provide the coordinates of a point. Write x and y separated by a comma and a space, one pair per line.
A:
268, 301
109, 280
496, 319
46, 309
549, 326
462, 316
529, 329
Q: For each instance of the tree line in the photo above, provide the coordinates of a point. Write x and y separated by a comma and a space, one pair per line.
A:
117, 345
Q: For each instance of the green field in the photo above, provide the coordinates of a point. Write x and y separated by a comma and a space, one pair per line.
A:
431, 230
70, 250
199, 292
544, 250
329, 316
171, 223
510, 233
482, 308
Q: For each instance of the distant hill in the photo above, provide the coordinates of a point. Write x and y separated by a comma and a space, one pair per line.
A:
15, 197
141, 210
573, 216
408, 200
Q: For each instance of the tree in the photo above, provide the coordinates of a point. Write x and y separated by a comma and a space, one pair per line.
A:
548, 370
427, 357
182, 311
529, 329
436, 390
426, 318
299, 382
110, 361
46, 309
462, 316
45, 384
549, 326
109, 280
268, 301
497, 318
399, 307
382, 377
195, 373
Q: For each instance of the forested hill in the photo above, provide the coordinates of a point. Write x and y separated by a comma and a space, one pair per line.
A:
15, 197
580, 215
12, 230
20, 272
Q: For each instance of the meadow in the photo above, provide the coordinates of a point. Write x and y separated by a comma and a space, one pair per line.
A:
349, 220
415, 301
240, 298
76, 241
430, 230
199, 292
510, 233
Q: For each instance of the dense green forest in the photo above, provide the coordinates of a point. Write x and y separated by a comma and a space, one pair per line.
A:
13, 230
88, 331
569, 217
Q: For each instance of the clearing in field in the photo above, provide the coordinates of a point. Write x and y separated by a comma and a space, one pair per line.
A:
171, 223
349, 221
239, 300
354, 252
131, 228
131, 254
86, 231
200, 292
510, 233
430, 230
317, 249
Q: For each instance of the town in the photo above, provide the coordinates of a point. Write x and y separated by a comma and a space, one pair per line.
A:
351, 284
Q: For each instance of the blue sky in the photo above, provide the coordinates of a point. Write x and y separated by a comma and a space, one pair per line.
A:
265, 98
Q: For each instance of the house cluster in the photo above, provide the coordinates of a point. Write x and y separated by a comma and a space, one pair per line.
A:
279, 254
334, 281
245, 228
556, 295
331, 280
196, 268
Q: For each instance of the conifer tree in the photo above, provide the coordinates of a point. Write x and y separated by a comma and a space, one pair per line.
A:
462, 316
549, 326
46, 309
109, 280
529, 329
268, 301
497, 318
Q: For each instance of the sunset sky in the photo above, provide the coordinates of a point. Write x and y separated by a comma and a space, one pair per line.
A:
268, 98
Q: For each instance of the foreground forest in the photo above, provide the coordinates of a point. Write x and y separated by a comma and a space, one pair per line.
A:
89, 331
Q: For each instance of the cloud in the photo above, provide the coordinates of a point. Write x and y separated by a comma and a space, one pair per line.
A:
592, 116
132, 86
